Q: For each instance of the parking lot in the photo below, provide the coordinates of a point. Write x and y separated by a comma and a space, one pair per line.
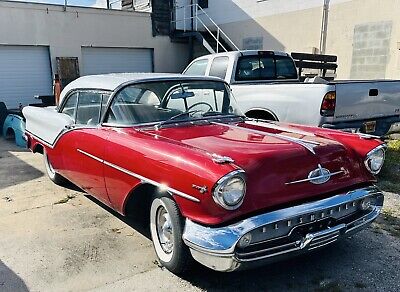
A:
56, 239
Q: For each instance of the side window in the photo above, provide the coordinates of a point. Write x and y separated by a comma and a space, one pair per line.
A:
89, 107
219, 67
70, 105
105, 97
197, 68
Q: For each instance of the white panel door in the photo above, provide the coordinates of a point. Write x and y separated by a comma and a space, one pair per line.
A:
116, 60
24, 72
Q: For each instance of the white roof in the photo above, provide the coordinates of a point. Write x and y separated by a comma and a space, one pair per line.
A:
114, 80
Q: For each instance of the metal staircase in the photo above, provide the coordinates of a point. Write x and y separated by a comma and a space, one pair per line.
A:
191, 21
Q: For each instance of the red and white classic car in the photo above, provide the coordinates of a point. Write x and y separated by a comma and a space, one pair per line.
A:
223, 189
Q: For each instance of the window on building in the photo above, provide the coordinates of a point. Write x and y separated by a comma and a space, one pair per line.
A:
203, 3
219, 67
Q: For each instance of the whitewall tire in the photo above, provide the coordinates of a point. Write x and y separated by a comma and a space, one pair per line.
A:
51, 173
166, 227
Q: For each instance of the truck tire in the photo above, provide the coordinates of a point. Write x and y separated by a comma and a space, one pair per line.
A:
166, 228
261, 115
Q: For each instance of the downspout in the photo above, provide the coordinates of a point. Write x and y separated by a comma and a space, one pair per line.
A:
324, 27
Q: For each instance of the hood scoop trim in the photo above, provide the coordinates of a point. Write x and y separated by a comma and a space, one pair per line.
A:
308, 145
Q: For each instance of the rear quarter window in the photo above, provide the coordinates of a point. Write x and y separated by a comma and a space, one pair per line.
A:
219, 67
197, 68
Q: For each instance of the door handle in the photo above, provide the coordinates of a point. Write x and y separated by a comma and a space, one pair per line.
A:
373, 92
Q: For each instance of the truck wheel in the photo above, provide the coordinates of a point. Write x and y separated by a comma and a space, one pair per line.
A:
261, 115
166, 225
52, 174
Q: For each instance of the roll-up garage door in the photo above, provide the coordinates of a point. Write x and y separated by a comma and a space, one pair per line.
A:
24, 72
116, 60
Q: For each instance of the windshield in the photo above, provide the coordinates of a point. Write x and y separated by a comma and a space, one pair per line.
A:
155, 102
270, 67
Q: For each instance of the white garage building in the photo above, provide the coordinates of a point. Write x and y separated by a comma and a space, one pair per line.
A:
33, 35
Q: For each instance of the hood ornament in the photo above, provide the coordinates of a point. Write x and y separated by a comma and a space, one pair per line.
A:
318, 176
221, 159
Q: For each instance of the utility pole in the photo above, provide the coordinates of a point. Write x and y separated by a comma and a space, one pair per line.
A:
324, 27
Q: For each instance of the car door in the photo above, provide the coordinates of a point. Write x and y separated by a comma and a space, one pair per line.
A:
84, 144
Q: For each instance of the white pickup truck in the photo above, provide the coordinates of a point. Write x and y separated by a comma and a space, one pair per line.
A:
266, 86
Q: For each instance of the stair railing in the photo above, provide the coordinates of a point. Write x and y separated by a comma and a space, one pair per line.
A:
195, 18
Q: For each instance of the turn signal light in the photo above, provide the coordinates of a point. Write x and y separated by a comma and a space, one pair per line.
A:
328, 104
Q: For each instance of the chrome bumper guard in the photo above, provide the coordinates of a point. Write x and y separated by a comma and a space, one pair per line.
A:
285, 232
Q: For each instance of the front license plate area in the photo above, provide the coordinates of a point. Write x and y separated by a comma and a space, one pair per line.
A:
370, 127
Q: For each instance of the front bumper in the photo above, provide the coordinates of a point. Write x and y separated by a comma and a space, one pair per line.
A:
282, 233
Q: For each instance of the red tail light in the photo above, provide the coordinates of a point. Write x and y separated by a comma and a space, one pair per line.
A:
328, 104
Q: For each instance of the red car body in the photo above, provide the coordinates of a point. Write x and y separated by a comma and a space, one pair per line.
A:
111, 162
176, 156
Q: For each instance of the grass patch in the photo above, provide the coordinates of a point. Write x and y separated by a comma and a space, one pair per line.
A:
65, 200
389, 178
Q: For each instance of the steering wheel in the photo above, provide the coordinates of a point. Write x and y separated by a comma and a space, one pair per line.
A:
201, 103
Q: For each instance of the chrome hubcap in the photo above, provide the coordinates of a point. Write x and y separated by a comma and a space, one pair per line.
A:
164, 230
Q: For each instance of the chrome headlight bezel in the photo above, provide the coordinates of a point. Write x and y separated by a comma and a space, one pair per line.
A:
218, 194
369, 157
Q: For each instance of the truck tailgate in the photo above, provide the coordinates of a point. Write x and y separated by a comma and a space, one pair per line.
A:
366, 100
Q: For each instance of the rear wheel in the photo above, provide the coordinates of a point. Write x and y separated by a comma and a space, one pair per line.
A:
166, 227
52, 174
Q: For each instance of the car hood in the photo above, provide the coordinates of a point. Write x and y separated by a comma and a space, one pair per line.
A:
275, 158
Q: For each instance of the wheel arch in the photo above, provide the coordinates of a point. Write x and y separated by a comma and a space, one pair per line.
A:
140, 197
259, 112
38, 148
9, 133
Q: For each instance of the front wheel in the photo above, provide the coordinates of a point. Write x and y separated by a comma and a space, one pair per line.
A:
51, 173
166, 232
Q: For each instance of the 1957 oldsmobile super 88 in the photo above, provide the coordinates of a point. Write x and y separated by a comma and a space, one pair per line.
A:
223, 189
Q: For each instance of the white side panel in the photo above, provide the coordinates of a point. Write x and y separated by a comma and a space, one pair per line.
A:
46, 123
24, 72
116, 60
295, 103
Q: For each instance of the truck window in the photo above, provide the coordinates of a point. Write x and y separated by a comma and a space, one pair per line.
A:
197, 68
270, 67
219, 67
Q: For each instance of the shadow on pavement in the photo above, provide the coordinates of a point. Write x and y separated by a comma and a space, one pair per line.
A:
13, 170
9, 281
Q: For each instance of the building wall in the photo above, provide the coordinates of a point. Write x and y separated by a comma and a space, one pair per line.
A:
364, 34
65, 32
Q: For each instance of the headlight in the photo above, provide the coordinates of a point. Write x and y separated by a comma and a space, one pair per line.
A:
229, 191
374, 159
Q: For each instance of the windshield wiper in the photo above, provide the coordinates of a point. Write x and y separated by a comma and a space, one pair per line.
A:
160, 124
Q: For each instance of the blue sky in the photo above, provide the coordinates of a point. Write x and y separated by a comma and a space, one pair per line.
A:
87, 3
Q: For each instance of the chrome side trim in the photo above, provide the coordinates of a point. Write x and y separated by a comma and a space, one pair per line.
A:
62, 133
309, 145
142, 178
